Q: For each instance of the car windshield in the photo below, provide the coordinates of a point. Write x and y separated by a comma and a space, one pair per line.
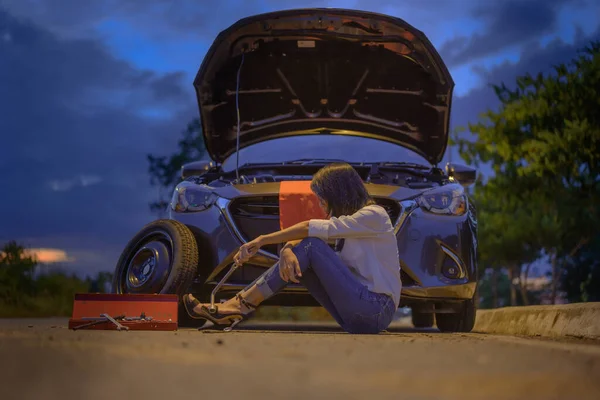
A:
348, 148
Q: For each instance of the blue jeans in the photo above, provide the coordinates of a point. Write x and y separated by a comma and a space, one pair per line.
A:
334, 286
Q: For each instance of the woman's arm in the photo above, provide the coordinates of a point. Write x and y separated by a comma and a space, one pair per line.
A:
293, 233
364, 223
367, 222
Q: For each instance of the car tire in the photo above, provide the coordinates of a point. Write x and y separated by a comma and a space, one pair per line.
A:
422, 320
161, 258
463, 321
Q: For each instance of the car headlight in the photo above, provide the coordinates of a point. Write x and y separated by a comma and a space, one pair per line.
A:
446, 200
190, 197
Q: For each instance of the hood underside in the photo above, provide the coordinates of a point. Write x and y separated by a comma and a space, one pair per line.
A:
318, 71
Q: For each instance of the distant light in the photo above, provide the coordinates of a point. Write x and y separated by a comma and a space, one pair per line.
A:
48, 256
7, 37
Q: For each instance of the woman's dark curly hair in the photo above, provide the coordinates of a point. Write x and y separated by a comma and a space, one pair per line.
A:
342, 188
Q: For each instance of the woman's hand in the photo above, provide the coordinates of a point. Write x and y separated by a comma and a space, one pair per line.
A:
289, 268
247, 250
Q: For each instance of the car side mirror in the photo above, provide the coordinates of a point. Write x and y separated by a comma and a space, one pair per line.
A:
196, 168
463, 174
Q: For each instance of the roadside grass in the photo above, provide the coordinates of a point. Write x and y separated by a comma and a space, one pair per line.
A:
38, 308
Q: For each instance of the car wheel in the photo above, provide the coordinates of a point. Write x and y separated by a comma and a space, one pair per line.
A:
161, 258
422, 320
463, 321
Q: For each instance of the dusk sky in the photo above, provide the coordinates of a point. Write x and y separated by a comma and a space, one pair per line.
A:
89, 88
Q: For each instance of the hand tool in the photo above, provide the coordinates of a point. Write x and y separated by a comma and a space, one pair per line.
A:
142, 317
99, 320
212, 309
114, 321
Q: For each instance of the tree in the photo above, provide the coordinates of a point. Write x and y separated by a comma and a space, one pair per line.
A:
16, 274
504, 232
490, 283
543, 145
24, 293
581, 275
165, 170
98, 284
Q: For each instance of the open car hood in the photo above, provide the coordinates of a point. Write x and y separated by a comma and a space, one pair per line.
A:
318, 71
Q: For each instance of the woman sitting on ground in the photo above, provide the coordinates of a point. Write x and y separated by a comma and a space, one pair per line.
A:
359, 287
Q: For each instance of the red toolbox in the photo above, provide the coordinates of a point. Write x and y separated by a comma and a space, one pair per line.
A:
145, 312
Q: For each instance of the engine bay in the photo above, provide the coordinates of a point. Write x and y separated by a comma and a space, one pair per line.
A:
396, 174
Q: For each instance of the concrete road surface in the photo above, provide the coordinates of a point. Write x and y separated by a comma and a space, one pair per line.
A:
42, 359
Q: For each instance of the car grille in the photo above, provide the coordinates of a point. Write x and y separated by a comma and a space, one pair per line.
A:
259, 215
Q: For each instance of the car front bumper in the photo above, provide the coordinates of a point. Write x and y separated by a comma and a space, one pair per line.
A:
426, 243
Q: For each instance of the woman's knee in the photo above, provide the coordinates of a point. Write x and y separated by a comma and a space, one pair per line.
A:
307, 248
313, 242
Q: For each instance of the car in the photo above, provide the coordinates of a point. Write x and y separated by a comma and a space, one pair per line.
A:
283, 94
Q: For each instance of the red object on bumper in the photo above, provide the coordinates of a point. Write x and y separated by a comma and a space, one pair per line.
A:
162, 308
297, 203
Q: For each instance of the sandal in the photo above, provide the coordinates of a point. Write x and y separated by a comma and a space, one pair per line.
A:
221, 320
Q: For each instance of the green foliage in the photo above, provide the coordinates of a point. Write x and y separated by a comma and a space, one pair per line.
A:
45, 295
165, 171
486, 289
581, 275
16, 274
543, 145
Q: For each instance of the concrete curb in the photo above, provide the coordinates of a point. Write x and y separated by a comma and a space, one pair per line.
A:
575, 320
